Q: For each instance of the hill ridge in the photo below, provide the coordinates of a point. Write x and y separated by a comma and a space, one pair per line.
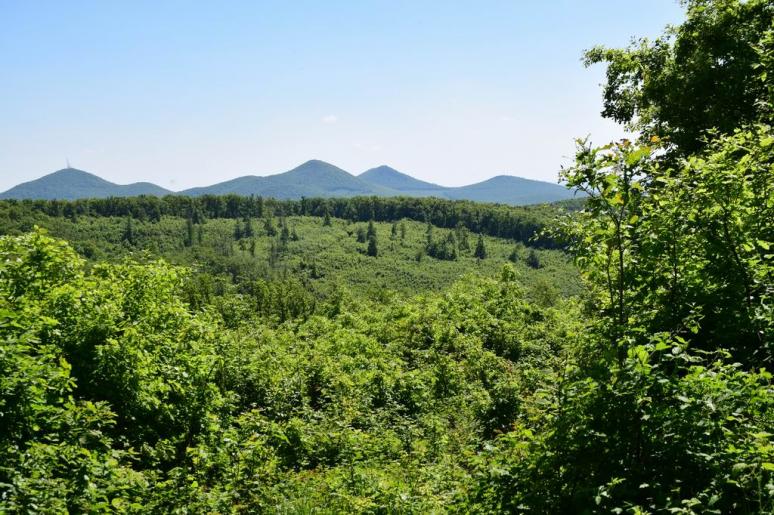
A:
313, 178
72, 183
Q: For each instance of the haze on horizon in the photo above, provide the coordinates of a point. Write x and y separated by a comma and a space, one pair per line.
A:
185, 96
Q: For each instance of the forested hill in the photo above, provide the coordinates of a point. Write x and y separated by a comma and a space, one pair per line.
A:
314, 178
70, 183
391, 178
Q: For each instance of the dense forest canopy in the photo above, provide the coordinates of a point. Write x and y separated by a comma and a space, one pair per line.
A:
219, 355
524, 224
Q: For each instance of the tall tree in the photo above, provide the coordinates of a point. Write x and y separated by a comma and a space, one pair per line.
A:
284, 235
710, 72
268, 226
371, 233
189, 232
247, 231
532, 259
128, 235
372, 250
361, 235
480, 251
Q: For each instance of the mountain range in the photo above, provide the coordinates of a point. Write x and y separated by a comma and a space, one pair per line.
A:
312, 179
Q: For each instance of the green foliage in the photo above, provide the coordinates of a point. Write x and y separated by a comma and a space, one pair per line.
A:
683, 249
361, 235
247, 229
710, 72
189, 233
372, 247
371, 232
300, 372
667, 403
480, 251
519, 223
532, 259
517, 254
445, 249
55, 451
128, 235
268, 227
664, 432
232, 387
338, 258
117, 396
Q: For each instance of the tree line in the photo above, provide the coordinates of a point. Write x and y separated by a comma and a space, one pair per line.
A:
522, 223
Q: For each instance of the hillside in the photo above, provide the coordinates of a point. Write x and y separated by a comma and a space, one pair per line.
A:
314, 178
325, 257
70, 183
246, 185
388, 177
507, 189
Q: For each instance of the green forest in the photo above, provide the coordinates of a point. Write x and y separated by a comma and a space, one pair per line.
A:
609, 354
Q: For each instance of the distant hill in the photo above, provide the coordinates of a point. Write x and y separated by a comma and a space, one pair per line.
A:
70, 184
503, 189
391, 178
507, 189
312, 179
247, 185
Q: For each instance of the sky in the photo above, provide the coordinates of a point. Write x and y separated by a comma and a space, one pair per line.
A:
187, 94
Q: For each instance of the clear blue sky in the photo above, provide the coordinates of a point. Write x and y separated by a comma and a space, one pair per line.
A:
190, 93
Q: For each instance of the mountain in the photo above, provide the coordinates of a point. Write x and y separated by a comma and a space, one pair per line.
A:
391, 178
504, 189
246, 185
507, 189
70, 183
314, 178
